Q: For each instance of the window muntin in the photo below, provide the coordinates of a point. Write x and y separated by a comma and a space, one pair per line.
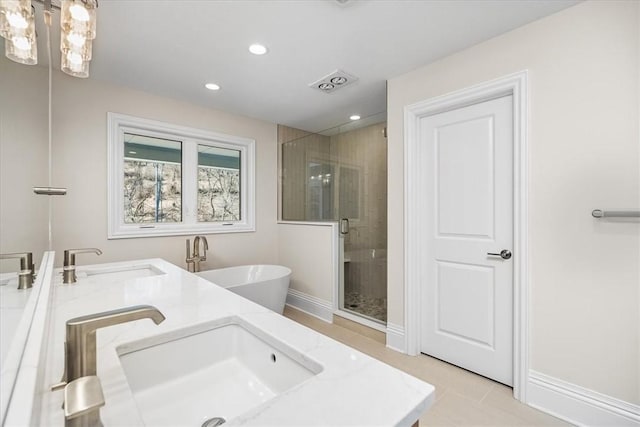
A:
169, 180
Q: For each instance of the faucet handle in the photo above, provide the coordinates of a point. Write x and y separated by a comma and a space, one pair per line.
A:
82, 396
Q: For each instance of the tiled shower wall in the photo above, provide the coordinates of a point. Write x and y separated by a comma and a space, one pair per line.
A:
295, 147
364, 150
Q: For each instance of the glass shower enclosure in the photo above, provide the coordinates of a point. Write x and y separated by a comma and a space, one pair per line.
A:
341, 175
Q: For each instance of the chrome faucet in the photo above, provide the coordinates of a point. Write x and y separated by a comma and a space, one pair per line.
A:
27, 270
69, 267
83, 393
193, 261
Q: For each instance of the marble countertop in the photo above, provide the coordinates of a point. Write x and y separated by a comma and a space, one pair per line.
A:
22, 332
352, 389
12, 304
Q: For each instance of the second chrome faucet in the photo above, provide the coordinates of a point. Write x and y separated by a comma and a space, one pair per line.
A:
69, 267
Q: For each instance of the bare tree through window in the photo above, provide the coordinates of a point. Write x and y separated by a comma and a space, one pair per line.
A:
218, 194
152, 192
218, 184
152, 179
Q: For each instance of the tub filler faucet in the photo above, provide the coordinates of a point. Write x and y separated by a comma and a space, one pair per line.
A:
83, 395
27, 270
69, 267
193, 261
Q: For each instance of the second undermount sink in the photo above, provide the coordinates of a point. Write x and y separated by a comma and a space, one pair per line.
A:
221, 369
122, 272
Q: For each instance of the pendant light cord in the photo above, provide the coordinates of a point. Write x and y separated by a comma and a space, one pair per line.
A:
47, 21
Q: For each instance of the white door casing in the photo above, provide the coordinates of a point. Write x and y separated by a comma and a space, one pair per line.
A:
414, 212
466, 294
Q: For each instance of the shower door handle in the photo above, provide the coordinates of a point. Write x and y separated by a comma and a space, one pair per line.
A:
344, 226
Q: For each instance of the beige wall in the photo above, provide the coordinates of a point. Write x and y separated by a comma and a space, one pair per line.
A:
23, 161
80, 164
307, 250
584, 153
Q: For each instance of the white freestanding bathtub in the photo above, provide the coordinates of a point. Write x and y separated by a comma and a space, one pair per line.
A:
266, 285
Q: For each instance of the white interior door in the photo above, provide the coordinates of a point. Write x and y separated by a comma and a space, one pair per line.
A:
467, 294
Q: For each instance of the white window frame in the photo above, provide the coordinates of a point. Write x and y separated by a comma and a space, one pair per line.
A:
118, 124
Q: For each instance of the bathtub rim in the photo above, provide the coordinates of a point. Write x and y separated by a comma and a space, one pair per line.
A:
284, 269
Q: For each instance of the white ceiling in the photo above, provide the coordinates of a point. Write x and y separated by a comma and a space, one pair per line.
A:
174, 47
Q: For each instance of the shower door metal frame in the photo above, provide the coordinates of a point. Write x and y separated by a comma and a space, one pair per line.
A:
338, 300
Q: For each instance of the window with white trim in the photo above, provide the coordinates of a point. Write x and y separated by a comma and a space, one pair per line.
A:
167, 180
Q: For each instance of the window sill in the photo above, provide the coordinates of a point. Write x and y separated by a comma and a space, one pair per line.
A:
163, 230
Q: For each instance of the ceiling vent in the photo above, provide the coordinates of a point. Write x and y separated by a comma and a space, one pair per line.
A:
334, 81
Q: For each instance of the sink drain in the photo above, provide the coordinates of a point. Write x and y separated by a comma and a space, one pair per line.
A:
214, 422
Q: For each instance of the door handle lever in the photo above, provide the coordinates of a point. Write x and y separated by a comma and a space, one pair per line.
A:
504, 254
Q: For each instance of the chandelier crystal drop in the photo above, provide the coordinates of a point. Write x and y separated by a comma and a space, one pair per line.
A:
14, 15
76, 43
74, 65
79, 16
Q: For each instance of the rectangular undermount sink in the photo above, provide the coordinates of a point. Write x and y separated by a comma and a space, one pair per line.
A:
122, 272
221, 369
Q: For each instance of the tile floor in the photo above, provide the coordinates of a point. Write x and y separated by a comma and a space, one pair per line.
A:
462, 398
366, 305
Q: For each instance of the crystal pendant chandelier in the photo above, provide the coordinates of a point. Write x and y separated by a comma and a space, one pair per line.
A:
78, 29
17, 26
78, 25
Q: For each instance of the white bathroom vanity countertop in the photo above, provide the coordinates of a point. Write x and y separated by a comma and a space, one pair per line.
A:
12, 304
352, 388
22, 332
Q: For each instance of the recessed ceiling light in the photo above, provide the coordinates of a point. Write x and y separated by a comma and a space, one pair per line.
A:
339, 80
325, 86
258, 49
212, 86
355, 117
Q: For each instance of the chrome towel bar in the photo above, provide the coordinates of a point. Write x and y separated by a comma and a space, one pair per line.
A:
599, 213
50, 191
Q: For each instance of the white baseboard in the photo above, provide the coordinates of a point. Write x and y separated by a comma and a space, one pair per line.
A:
314, 306
396, 338
579, 405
